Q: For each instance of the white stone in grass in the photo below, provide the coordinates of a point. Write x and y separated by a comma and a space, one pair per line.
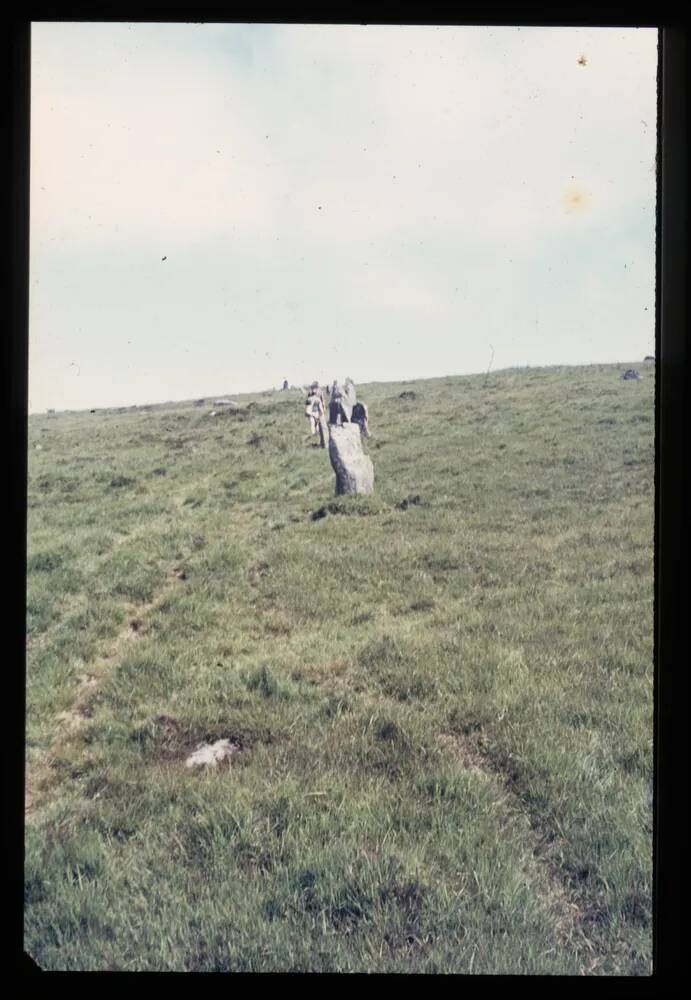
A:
211, 754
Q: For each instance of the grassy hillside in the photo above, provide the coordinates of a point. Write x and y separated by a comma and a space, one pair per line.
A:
442, 694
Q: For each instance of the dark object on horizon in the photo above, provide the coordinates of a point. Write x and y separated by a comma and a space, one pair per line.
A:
649, 357
200, 402
630, 373
285, 384
92, 411
164, 258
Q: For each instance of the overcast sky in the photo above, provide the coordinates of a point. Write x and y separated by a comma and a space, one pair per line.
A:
381, 202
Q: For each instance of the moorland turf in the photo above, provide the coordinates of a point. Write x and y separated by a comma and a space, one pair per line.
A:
442, 693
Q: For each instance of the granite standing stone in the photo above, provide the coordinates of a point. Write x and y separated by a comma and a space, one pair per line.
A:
353, 468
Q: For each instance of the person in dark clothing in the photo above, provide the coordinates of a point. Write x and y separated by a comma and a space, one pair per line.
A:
336, 412
360, 416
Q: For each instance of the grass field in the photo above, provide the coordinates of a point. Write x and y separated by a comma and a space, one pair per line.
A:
441, 694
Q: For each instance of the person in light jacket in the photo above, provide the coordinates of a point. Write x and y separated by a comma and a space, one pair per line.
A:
314, 411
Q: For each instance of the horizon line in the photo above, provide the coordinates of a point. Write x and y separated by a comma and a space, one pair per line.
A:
294, 387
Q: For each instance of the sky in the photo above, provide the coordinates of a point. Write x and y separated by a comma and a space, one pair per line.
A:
217, 207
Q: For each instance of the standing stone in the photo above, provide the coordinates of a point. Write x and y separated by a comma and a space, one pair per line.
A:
354, 470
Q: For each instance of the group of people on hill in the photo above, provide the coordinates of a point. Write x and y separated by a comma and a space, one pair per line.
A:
343, 408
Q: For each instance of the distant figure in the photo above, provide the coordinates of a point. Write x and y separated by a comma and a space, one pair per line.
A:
360, 415
630, 373
285, 385
334, 403
337, 406
317, 390
314, 411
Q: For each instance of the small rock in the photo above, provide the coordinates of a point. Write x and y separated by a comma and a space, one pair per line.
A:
211, 754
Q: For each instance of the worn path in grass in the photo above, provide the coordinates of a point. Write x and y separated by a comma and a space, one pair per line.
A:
570, 914
40, 777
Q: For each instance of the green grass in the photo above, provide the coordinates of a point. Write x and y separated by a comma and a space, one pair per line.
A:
442, 693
